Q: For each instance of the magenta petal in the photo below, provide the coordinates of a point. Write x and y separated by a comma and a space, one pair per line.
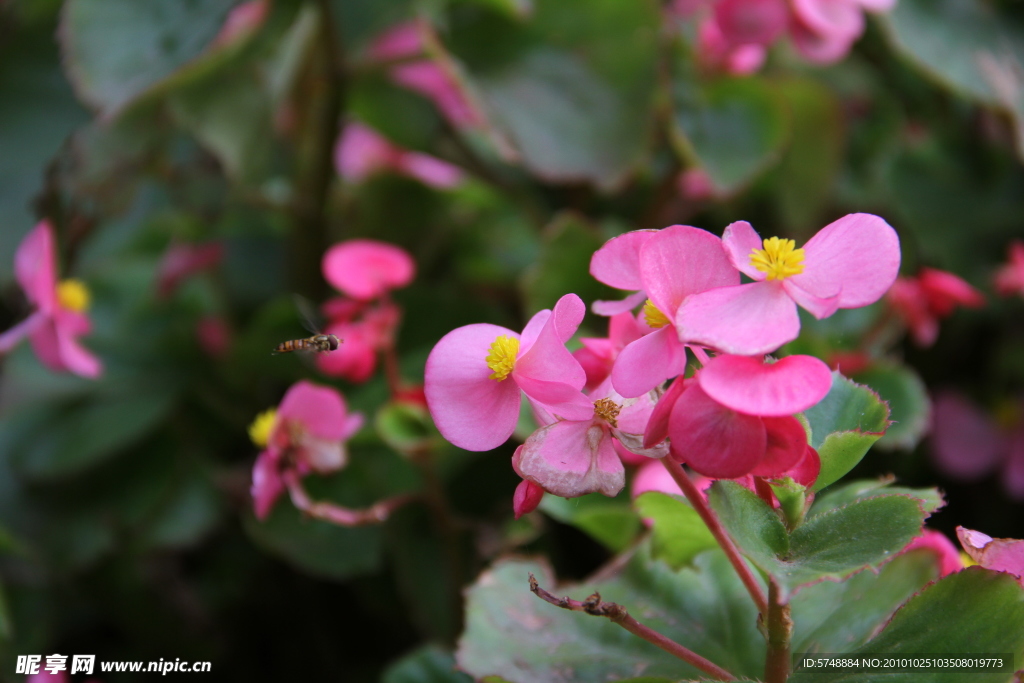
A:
787, 445
820, 307
75, 357
572, 458
713, 440
35, 269
657, 423
617, 262
46, 344
679, 261
366, 269
613, 307
965, 441
746, 320
547, 358
470, 409
431, 170
526, 498
999, 554
806, 471
819, 47
648, 362
652, 476
939, 544
739, 241
320, 410
758, 22
266, 484
12, 337
558, 398
830, 17
857, 256
749, 385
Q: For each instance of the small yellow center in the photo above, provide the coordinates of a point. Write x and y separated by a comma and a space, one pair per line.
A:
967, 559
259, 430
607, 410
502, 357
653, 317
73, 295
779, 259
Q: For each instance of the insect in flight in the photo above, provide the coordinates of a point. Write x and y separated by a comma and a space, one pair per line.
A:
319, 342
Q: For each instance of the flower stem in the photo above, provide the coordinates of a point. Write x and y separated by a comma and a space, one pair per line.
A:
780, 631
336, 514
715, 527
593, 605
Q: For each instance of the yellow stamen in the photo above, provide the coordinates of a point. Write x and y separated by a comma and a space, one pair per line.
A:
73, 295
967, 559
653, 317
607, 410
259, 430
502, 357
779, 259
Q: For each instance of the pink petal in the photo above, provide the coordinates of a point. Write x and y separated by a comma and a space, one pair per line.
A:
657, 424
526, 498
627, 456
572, 458
830, 17
471, 410
787, 445
965, 442
360, 152
355, 359
595, 357
713, 440
652, 476
547, 358
35, 269
266, 483
12, 337
398, 41
751, 21
739, 241
745, 59
242, 21
183, 260
746, 320
819, 47
320, 410
1013, 471
75, 357
679, 261
806, 471
613, 307
617, 262
558, 398
431, 170
434, 83
648, 362
877, 5
943, 548
749, 385
352, 424
999, 554
366, 269
945, 291
857, 256
820, 307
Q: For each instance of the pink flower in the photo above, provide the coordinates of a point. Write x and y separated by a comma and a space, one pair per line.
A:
364, 333
242, 21
1009, 279
399, 41
598, 354
471, 399
58, 320
695, 184
527, 496
362, 152
214, 335
938, 543
716, 52
999, 554
183, 260
573, 457
367, 269
668, 266
734, 417
306, 433
969, 445
922, 301
751, 22
849, 263
824, 30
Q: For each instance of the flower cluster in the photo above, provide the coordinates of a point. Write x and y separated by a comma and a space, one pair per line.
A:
922, 301
733, 417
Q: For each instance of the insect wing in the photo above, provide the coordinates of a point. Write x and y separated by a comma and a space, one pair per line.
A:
308, 315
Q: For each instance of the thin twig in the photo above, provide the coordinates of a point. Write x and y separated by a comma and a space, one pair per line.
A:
697, 501
336, 514
593, 605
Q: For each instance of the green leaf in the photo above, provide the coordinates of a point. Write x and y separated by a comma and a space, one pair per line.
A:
429, 664
910, 409
989, 618
609, 521
513, 634
405, 426
930, 499
569, 90
679, 533
752, 524
563, 265
110, 72
733, 128
844, 425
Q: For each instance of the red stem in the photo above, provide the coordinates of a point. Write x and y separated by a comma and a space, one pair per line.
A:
336, 514
700, 505
780, 631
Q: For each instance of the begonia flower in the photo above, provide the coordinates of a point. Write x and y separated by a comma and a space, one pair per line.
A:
242, 21
361, 152
598, 354
850, 263
671, 266
526, 497
475, 373
59, 319
943, 548
999, 554
573, 457
924, 300
213, 335
364, 335
306, 433
366, 269
183, 260
1009, 279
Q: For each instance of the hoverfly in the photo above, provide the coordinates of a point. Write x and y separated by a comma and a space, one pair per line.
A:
319, 342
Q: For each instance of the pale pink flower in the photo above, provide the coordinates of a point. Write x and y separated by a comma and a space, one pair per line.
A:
58, 320
361, 152
306, 434
475, 373
1009, 279
367, 269
938, 543
850, 263
182, 260
999, 554
924, 300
